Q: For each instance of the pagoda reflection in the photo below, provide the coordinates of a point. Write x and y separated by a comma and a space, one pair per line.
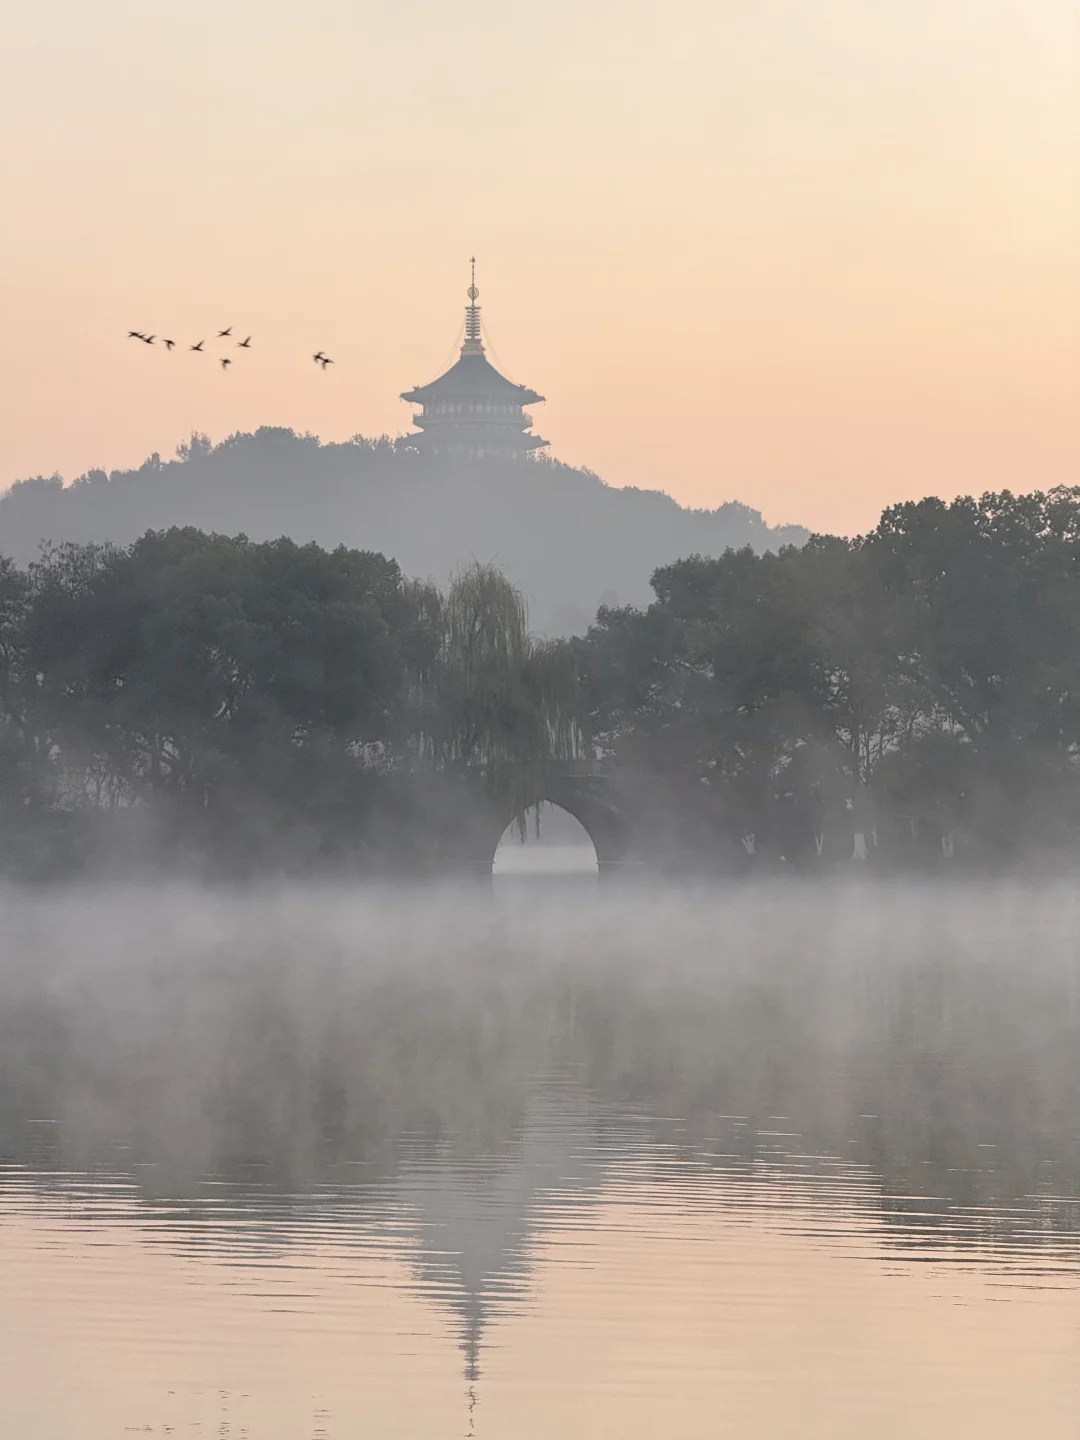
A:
477, 1222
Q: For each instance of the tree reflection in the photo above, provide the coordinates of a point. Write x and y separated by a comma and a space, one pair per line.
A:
470, 1078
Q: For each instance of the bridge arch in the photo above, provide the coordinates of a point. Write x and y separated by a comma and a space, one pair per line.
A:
551, 841
461, 822
592, 802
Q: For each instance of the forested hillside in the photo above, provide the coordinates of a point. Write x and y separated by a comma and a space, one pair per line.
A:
566, 539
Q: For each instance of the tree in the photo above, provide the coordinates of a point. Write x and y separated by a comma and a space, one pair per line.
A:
987, 604
188, 663
19, 755
501, 701
926, 675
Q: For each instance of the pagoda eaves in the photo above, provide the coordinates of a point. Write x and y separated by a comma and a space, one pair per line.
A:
473, 409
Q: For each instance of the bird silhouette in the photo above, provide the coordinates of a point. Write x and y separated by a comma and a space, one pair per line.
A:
222, 333
198, 346
244, 344
225, 363
168, 344
325, 360
136, 335
317, 357
148, 339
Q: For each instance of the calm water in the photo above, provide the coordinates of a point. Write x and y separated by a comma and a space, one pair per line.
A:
771, 1163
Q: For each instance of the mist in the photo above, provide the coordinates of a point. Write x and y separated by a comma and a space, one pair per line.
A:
928, 1032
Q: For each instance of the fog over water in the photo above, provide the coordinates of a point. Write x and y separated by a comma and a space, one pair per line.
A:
437, 1149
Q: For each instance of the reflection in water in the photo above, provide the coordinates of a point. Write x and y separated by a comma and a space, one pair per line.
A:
788, 1161
476, 1223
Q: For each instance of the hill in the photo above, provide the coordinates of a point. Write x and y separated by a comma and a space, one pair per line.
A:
562, 535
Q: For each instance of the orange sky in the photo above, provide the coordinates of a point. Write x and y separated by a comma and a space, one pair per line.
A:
817, 255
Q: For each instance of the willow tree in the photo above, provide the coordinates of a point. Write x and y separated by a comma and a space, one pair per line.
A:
502, 702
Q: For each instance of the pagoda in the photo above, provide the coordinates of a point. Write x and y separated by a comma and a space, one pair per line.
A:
472, 409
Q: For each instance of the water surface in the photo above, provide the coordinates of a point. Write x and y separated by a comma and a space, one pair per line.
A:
794, 1162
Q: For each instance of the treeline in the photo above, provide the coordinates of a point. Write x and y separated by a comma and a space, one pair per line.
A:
911, 695
255, 704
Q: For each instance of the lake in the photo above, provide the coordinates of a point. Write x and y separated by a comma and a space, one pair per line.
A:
764, 1161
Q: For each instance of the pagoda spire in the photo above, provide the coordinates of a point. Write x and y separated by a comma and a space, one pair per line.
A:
473, 345
472, 409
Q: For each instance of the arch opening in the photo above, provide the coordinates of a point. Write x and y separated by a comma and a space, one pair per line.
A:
555, 846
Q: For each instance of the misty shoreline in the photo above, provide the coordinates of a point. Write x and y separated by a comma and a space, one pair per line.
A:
908, 700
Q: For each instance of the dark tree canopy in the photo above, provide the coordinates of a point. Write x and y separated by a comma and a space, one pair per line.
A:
918, 687
908, 697
258, 689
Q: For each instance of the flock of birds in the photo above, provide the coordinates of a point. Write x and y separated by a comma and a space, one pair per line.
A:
225, 362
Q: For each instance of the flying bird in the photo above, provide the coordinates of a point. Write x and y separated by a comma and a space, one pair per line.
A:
325, 361
198, 347
148, 339
226, 363
168, 344
136, 335
244, 344
222, 333
318, 357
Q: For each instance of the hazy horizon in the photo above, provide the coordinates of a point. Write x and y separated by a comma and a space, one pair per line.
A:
817, 261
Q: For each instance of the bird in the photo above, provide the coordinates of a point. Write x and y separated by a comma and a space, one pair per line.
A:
168, 344
244, 344
198, 346
222, 333
325, 360
318, 357
148, 339
136, 335
225, 363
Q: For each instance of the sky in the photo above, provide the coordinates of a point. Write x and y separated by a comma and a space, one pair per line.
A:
816, 255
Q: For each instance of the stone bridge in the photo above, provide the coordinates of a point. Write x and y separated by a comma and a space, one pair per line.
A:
467, 823
605, 808
637, 823
634, 824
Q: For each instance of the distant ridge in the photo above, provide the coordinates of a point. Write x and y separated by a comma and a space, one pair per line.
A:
565, 537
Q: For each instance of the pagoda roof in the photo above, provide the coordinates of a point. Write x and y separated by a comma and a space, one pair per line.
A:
472, 436
472, 377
